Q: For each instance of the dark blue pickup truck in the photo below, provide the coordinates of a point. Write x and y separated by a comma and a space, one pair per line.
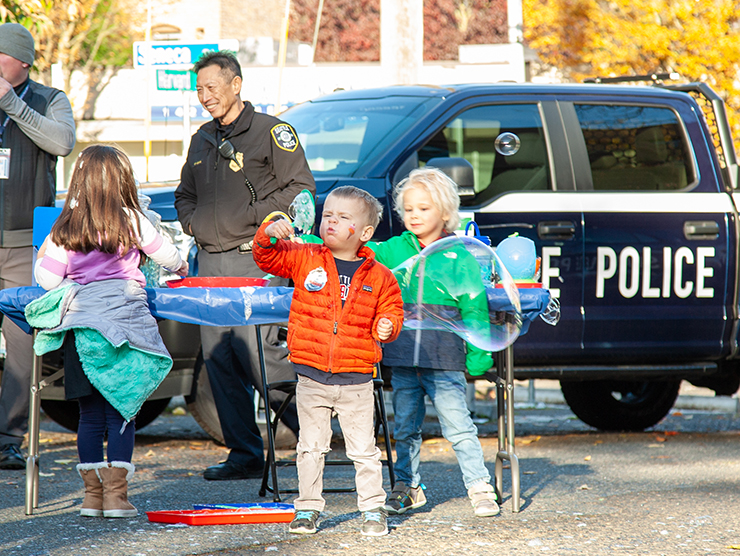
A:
629, 193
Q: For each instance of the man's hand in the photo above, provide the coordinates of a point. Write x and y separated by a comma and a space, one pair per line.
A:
385, 328
280, 229
4, 86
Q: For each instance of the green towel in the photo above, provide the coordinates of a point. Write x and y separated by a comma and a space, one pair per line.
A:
124, 375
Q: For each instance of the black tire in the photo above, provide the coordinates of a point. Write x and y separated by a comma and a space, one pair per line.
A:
203, 409
67, 413
620, 405
200, 402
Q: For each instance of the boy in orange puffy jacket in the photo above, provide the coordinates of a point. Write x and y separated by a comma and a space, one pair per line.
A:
345, 303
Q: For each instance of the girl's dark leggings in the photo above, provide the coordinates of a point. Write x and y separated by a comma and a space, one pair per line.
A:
98, 417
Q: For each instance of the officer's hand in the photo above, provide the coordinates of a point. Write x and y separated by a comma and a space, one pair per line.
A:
4, 86
385, 328
280, 229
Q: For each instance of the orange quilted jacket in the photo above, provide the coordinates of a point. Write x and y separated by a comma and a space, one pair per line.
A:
322, 333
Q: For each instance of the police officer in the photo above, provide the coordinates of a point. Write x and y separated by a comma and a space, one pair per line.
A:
36, 126
241, 166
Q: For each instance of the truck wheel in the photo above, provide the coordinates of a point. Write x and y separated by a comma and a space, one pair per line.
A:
67, 413
200, 402
203, 409
620, 405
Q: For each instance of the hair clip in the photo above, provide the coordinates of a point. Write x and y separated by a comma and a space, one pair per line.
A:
72, 202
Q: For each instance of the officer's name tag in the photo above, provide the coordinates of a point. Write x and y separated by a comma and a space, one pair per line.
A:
4, 164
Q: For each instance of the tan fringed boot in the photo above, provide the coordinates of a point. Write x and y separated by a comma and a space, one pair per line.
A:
92, 505
115, 489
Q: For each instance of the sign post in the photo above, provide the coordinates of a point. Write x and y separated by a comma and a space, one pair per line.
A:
173, 61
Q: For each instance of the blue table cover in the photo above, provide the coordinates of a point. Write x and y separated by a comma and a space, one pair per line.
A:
244, 306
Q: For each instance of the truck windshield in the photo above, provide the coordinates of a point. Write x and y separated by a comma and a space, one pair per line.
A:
340, 136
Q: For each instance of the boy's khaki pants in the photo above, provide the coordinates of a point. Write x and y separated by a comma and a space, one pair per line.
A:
355, 407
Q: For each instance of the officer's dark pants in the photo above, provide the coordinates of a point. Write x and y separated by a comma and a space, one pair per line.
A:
232, 360
15, 270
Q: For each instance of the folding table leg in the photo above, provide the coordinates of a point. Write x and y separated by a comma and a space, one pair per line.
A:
271, 464
32, 461
506, 447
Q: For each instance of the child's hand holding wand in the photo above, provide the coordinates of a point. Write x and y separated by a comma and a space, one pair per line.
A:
280, 229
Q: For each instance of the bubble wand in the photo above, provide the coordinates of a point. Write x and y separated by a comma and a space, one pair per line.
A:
302, 213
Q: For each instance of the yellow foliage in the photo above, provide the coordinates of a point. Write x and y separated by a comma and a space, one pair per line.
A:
698, 39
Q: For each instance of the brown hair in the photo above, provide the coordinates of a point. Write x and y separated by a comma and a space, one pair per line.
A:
93, 217
371, 207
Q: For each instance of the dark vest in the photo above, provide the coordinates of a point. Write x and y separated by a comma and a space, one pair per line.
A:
32, 181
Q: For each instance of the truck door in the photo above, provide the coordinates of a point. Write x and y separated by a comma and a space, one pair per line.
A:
656, 238
524, 185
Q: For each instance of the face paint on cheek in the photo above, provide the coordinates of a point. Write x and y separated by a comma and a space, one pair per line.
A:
352, 230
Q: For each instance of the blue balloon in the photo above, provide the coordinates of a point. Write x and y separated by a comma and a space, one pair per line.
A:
519, 257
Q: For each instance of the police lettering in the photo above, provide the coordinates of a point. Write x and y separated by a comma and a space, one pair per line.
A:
632, 270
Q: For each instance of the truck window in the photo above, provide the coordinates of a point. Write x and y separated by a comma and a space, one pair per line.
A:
341, 136
635, 148
505, 144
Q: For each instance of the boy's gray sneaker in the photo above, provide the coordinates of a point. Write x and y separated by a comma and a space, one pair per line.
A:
304, 522
374, 523
483, 498
404, 497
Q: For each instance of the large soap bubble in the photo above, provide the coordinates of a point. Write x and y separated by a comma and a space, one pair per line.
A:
303, 212
459, 285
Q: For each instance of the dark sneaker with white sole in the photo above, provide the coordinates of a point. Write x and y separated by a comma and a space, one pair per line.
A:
304, 522
374, 523
404, 498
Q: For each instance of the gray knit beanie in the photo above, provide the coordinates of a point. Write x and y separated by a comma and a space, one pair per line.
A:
17, 41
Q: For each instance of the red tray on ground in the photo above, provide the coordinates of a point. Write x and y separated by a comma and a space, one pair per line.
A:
222, 516
216, 282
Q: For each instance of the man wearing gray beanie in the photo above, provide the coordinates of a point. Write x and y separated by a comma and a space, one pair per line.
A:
36, 126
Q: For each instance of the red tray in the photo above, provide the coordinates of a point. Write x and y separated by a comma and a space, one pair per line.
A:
523, 285
222, 516
216, 282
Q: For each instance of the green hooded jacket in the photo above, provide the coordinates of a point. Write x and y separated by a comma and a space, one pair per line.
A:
453, 292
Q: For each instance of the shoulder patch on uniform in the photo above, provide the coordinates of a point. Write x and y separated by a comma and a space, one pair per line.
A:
284, 137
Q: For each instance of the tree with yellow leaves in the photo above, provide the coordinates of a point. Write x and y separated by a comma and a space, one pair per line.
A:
93, 36
698, 39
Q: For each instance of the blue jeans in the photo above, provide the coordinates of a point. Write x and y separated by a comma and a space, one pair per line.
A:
446, 389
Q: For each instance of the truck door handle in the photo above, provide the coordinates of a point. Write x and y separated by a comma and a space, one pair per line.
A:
556, 230
696, 229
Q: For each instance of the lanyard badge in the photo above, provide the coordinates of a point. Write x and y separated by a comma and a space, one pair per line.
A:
4, 164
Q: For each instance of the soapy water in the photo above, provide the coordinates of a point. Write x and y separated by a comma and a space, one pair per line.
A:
302, 211
443, 289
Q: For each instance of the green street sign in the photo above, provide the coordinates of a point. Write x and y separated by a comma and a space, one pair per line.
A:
175, 80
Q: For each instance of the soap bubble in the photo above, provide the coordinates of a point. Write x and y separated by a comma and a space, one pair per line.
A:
443, 289
302, 212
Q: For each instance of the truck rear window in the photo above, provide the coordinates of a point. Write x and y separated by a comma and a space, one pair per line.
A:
635, 148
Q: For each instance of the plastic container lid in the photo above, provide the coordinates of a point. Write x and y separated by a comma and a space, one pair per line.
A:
216, 282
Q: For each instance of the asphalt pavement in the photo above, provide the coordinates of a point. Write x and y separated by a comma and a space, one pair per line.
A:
670, 490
